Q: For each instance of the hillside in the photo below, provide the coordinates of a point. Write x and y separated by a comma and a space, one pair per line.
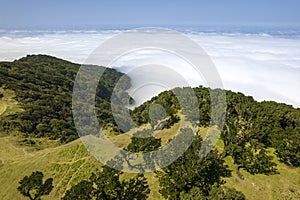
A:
70, 163
43, 86
258, 152
249, 125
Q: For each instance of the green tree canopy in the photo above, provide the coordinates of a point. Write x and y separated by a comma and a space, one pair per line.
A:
33, 187
106, 184
143, 141
190, 171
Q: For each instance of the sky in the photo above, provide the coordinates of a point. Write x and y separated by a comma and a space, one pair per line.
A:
76, 14
261, 63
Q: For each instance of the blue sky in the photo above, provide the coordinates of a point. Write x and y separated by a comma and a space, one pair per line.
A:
94, 13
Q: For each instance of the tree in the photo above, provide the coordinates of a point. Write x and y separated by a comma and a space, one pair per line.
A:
82, 191
190, 171
143, 141
33, 187
107, 185
288, 147
194, 194
136, 188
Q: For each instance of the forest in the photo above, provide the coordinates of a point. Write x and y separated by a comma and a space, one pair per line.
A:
43, 85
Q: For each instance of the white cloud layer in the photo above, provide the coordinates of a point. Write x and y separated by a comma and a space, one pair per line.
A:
264, 66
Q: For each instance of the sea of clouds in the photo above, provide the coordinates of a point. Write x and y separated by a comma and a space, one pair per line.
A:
262, 65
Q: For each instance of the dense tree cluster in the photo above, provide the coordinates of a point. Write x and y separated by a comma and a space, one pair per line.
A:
33, 186
192, 177
167, 100
143, 141
250, 128
180, 100
43, 85
216, 193
106, 184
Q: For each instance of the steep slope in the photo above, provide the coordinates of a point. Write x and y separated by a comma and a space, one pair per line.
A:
43, 87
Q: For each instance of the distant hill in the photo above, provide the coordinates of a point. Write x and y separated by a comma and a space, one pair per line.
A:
43, 87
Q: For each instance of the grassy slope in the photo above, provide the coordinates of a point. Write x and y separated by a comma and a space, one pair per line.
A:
67, 164
282, 186
7, 104
70, 163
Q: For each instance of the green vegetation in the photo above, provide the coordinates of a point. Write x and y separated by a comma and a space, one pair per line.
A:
283, 185
216, 193
70, 163
181, 175
67, 164
8, 105
33, 187
167, 100
257, 155
143, 141
107, 185
43, 86
250, 128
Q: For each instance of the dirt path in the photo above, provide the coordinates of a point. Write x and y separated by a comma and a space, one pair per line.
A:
3, 108
69, 168
25, 152
76, 172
